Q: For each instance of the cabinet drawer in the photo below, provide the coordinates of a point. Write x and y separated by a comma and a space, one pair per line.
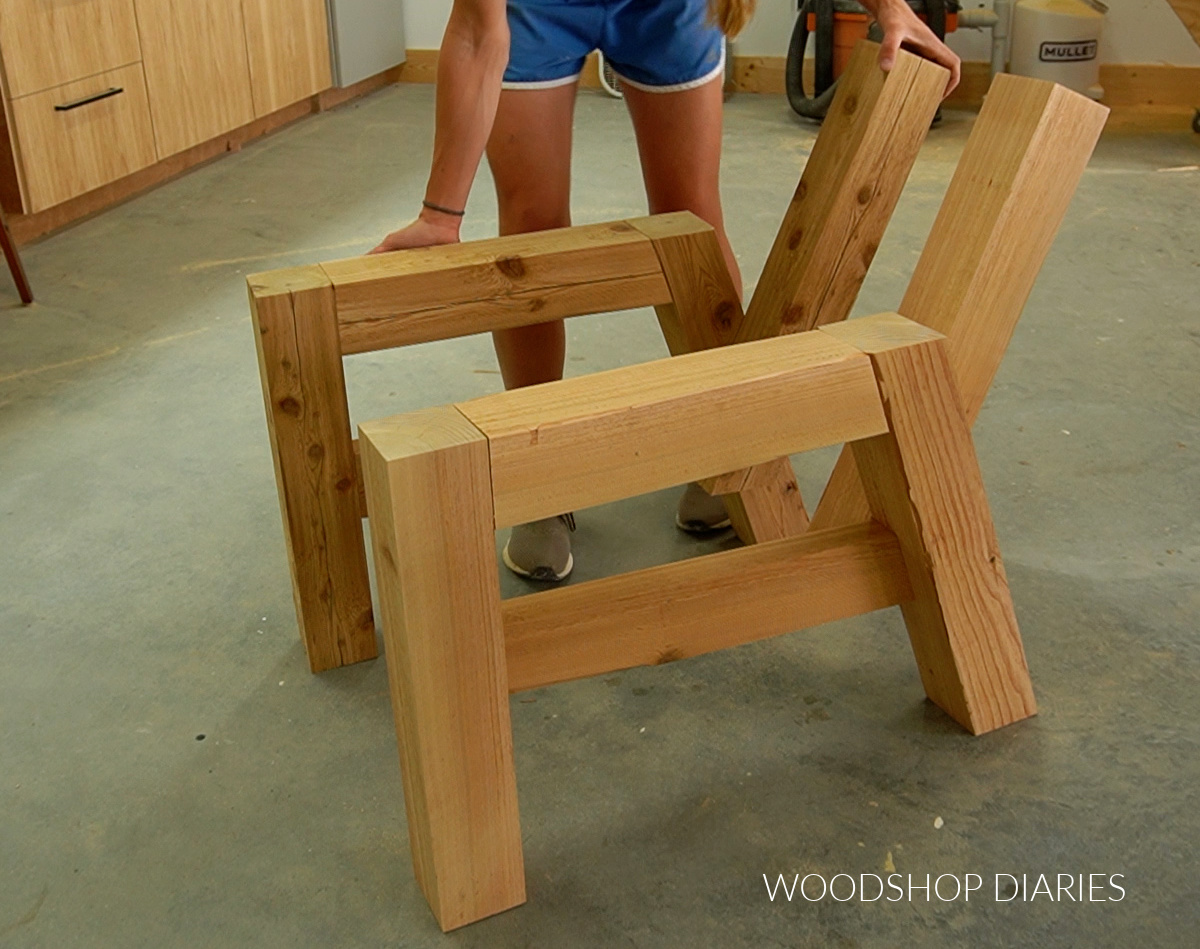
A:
47, 43
83, 135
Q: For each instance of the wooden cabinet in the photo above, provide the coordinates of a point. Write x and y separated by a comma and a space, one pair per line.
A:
47, 43
194, 54
75, 102
287, 43
95, 90
97, 130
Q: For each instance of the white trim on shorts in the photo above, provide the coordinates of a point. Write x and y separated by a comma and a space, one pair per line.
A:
680, 86
541, 83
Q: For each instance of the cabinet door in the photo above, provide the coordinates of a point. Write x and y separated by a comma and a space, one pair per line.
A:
288, 43
48, 43
194, 53
82, 135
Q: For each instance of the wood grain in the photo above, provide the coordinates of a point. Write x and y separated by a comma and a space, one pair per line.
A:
197, 73
1188, 12
47, 43
1005, 204
700, 605
287, 42
612, 435
68, 153
830, 231
28, 227
434, 550
309, 424
704, 308
504, 311
846, 195
508, 281
923, 482
768, 505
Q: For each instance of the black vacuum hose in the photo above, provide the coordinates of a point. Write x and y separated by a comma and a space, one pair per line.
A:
815, 106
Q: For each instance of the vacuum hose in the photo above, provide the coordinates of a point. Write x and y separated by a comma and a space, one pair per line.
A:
815, 106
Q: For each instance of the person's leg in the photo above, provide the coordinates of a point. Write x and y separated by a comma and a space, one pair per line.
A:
530, 156
679, 142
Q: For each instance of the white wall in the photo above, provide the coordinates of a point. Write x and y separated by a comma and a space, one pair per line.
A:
424, 22
1137, 31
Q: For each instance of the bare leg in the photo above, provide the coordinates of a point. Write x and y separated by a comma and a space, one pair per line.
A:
530, 156
679, 140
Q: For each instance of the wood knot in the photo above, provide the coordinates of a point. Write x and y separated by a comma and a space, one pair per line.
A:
864, 194
316, 452
512, 267
851, 104
670, 654
801, 191
795, 237
793, 314
537, 303
344, 484
289, 406
723, 317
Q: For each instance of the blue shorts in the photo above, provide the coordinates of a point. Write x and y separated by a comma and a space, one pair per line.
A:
656, 45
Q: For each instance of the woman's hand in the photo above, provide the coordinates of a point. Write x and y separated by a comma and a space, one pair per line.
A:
903, 28
428, 230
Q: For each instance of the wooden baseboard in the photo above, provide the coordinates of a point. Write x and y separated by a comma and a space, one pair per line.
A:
30, 227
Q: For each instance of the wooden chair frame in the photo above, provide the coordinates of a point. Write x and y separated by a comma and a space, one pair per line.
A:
440, 481
307, 318
904, 519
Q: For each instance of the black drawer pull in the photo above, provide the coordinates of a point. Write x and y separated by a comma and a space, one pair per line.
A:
88, 100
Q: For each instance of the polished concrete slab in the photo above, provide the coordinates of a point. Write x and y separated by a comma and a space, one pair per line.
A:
172, 776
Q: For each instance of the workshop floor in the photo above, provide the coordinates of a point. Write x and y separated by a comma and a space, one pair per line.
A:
172, 776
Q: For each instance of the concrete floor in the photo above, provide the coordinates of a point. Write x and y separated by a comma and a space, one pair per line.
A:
172, 776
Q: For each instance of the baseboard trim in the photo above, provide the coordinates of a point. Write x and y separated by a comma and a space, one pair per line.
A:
1126, 85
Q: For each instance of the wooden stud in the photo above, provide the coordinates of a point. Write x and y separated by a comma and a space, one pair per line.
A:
309, 424
768, 505
704, 309
922, 481
835, 222
701, 605
434, 549
1006, 202
430, 293
849, 188
592, 439
705, 312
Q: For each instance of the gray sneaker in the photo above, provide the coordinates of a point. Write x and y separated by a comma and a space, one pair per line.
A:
541, 550
700, 512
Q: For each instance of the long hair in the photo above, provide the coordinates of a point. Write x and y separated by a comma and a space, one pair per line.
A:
731, 15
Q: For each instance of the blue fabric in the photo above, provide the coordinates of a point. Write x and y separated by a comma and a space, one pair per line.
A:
656, 43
